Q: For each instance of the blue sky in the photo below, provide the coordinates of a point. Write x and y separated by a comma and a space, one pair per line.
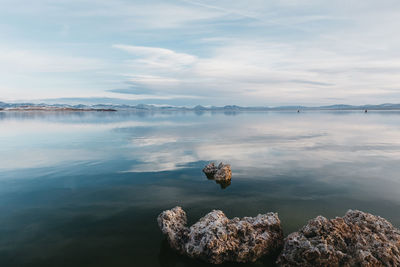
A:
308, 52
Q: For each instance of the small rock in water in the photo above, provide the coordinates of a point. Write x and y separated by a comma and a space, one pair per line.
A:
210, 170
217, 239
357, 239
221, 173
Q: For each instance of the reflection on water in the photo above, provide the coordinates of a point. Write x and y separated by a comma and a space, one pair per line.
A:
84, 189
223, 183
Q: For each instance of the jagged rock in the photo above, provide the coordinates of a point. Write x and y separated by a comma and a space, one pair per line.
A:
217, 239
224, 172
357, 239
173, 224
221, 173
210, 170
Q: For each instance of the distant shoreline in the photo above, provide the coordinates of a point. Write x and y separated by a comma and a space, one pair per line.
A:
45, 109
34, 109
198, 108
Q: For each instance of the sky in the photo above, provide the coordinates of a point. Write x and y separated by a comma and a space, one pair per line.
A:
184, 52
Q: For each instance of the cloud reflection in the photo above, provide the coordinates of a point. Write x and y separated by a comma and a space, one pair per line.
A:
257, 145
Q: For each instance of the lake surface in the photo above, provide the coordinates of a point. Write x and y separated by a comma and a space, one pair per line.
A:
84, 189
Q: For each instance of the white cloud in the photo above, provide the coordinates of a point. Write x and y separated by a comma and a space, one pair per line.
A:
157, 58
127, 14
243, 52
23, 60
264, 69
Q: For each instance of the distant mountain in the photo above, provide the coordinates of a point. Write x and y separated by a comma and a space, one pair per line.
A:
53, 107
386, 106
198, 108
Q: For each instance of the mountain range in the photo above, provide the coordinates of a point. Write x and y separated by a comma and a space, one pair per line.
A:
198, 108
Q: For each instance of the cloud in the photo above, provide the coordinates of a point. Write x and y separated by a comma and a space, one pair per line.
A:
261, 70
226, 52
157, 58
24, 60
127, 14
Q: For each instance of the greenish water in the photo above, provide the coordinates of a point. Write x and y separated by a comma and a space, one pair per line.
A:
84, 189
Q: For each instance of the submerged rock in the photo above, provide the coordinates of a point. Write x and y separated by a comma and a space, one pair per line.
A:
357, 239
221, 173
217, 239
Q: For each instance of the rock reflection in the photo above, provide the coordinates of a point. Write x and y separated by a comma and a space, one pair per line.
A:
224, 184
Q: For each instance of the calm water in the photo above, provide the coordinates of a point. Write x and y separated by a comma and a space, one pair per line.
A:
84, 189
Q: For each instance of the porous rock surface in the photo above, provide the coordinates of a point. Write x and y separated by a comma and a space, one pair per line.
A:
356, 239
173, 224
217, 239
222, 172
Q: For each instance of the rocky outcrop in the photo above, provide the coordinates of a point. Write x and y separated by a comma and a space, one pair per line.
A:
222, 172
217, 239
357, 239
173, 224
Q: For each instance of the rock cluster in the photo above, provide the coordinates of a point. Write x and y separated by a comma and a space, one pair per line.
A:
222, 172
357, 239
216, 239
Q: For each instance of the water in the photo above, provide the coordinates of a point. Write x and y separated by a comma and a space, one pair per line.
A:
84, 189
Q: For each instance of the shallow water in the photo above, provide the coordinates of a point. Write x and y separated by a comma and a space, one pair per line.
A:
84, 189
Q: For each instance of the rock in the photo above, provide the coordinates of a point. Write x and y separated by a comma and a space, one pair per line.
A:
173, 224
357, 239
217, 239
221, 173
210, 170
224, 172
